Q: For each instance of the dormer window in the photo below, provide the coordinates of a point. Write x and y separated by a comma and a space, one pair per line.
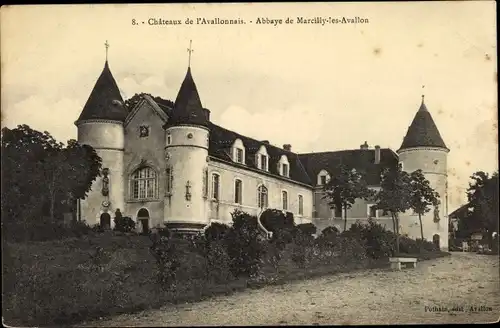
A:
238, 151
323, 178
263, 162
284, 166
284, 169
239, 155
262, 159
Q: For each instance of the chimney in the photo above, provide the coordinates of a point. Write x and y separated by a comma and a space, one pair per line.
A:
364, 146
287, 147
266, 142
207, 113
377, 154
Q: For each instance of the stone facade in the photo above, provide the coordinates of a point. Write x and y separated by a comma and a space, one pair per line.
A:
170, 166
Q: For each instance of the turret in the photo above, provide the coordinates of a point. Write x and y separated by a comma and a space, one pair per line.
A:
423, 148
186, 150
100, 125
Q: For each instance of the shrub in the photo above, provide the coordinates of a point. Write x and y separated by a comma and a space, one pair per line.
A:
218, 262
124, 224
307, 228
244, 245
378, 241
164, 251
351, 248
216, 231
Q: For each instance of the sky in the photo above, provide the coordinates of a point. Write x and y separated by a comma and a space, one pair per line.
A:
316, 87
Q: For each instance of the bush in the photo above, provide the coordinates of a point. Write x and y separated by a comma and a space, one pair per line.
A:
378, 241
351, 248
216, 231
124, 224
164, 251
307, 228
244, 245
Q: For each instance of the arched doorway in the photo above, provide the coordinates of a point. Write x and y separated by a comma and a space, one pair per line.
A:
105, 221
143, 218
435, 240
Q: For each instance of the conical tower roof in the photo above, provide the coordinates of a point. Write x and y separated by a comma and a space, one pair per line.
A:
187, 107
423, 132
105, 100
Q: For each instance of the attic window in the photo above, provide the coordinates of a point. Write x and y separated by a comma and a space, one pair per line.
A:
284, 169
262, 158
238, 151
284, 166
239, 155
323, 178
263, 162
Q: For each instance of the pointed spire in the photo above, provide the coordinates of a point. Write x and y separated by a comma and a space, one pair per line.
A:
423, 132
105, 100
187, 107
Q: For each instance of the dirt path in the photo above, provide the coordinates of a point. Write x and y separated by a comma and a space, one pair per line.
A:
368, 297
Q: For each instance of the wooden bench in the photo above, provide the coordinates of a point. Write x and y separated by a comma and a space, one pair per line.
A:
396, 262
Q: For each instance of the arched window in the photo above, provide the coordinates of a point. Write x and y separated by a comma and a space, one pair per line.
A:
262, 197
284, 199
238, 191
144, 183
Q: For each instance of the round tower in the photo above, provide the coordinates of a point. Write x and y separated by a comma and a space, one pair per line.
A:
186, 152
424, 149
100, 125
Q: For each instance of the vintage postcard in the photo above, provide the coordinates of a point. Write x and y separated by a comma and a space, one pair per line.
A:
250, 164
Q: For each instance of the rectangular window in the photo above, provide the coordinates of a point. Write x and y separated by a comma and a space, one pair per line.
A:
168, 187
301, 205
239, 155
263, 162
284, 195
238, 191
372, 211
323, 179
215, 186
285, 170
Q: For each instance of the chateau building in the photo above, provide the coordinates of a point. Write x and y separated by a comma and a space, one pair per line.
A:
167, 164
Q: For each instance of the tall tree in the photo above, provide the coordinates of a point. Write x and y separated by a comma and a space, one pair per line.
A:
422, 196
41, 176
345, 186
483, 200
394, 195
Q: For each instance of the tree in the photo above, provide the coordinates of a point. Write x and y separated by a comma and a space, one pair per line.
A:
422, 196
41, 176
345, 186
394, 195
483, 201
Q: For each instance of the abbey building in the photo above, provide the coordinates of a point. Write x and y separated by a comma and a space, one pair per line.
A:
167, 164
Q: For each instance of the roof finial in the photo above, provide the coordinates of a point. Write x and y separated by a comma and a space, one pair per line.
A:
190, 50
423, 96
106, 44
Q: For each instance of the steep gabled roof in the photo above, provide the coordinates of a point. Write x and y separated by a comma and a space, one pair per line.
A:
423, 132
363, 160
187, 106
105, 100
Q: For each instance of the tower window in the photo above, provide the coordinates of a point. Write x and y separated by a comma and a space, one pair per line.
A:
169, 178
143, 183
215, 186
205, 183
238, 191
262, 197
169, 139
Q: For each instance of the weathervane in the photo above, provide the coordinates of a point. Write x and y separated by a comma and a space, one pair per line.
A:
106, 44
423, 86
190, 50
